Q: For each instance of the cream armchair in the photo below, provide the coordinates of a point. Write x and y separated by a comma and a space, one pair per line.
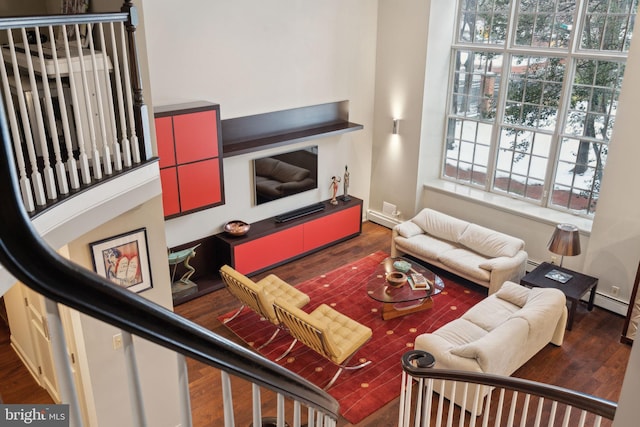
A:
259, 296
326, 331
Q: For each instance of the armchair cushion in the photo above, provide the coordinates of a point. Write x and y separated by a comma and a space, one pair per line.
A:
260, 295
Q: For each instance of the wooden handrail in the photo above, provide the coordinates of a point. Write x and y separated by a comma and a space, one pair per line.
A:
411, 363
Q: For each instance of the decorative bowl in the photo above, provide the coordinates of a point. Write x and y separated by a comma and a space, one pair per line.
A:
237, 227
396, 278
402, 265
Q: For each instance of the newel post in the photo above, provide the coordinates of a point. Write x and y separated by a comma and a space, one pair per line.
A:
140, 109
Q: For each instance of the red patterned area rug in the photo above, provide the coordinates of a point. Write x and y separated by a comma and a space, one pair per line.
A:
364, 391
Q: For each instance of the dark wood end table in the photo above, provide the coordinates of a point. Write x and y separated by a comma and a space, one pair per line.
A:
574, 289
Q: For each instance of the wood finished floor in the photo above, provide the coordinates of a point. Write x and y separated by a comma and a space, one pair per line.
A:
592, 360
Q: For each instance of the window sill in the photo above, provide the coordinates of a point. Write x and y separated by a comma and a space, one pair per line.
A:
508, 204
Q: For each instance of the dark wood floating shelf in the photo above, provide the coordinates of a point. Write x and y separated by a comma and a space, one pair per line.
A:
253, 133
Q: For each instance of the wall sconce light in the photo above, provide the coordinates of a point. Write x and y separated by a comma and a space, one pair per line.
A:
396, 126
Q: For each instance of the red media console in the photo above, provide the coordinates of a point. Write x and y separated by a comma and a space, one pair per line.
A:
269, 243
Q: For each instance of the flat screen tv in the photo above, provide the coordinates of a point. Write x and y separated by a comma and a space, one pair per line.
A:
285, 174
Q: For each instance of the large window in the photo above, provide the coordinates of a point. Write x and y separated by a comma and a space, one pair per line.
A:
534, 93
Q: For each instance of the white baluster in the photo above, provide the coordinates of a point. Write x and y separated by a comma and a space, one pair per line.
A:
280, 411
64, 375
25, 182
135, 146
512, 408
106, 150
183, 378
47, 171
133, 380
115, 145
72, 168
126, 145
296, 413
311, 417
61, 175
257, 406
403, 392
82, 157
36, 178
525, 409
95, 155
539, 412
227, 400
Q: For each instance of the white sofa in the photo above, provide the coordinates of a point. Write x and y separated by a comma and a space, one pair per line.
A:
498, 335
484, 256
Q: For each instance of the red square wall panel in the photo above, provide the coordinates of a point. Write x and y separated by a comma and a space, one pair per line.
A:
199, 184
164, 139
196, 136
169, 180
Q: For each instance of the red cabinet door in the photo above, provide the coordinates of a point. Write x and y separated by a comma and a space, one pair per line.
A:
268, 250
164, 139
170, 201
199, 184
332, 227
196, 136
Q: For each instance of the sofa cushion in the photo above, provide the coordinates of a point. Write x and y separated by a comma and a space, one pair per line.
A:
489, 242
490, 313
428, 247
408, 229
514, 293
542, 310
457, 332
465, 262
490, 350
440, 225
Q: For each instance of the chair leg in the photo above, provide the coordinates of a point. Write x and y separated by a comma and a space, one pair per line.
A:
287, 351
225, 321
269, 340
344, 367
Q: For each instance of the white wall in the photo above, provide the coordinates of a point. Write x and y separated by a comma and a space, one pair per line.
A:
253, 57
107, 374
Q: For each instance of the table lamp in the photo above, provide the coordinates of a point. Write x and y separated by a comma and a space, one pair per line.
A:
565, 241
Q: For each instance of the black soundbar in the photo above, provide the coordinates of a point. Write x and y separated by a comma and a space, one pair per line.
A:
300, 212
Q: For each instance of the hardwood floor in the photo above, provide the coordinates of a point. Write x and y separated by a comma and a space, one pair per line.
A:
592, 360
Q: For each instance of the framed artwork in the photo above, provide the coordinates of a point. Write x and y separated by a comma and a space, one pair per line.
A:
124, 260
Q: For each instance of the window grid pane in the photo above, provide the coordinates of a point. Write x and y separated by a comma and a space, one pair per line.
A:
467, 151
608, 25
483, 22
541, 133
543, 23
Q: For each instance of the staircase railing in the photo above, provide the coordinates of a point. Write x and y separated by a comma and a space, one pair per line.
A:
424, 400
73, 100
72, 96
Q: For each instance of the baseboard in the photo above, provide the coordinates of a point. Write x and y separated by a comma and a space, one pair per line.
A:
611, 304
382, 219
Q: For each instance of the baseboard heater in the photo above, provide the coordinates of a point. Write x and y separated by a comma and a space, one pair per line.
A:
300, 212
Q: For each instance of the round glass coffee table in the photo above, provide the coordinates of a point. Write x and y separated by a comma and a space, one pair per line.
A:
406, 298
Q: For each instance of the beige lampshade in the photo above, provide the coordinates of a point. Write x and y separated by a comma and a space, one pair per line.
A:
565, 240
